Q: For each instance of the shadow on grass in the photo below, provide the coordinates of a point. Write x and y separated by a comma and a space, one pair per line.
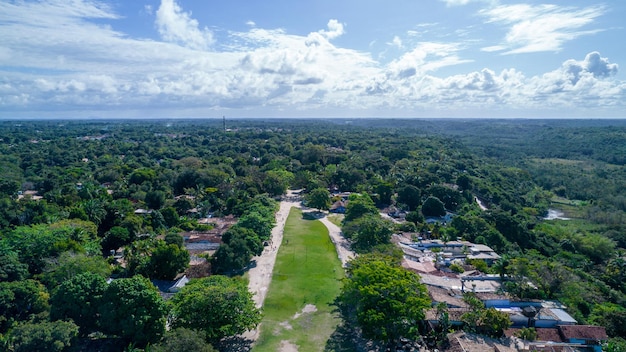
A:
313, 215
346, 338
234, 344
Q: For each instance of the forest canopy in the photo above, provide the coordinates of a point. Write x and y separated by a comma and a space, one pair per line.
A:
72, 193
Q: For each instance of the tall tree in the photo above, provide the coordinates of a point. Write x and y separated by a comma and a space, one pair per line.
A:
369, 232
387, 301
359, 205
20, 301
318, 198
44, 336
218, 305
133, 310
433, 207
79, 299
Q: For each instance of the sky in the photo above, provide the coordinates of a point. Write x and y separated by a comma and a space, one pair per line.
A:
312, 58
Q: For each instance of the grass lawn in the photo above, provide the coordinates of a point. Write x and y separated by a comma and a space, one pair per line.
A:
307, 273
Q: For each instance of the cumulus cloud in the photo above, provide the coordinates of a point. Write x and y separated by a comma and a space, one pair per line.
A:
335, 29
178, 26
426, 56
593, 68
64, 60
396, 42
541, 27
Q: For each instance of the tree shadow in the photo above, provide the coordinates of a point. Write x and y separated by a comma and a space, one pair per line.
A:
313, 215
234, 344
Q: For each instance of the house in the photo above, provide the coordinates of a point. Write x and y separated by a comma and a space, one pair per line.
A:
178, 285
440, 219
451, 298
339, 207
32, 195
589, 335
483, 252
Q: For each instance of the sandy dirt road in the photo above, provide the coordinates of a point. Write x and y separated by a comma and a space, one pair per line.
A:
341, 243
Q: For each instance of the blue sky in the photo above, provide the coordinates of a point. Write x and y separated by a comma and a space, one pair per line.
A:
322, 58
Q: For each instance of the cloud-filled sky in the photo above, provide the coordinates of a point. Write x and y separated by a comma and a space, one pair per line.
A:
315, 58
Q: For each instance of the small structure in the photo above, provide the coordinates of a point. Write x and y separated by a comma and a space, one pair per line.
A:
179, 284
339, 207
440, 219
32, 195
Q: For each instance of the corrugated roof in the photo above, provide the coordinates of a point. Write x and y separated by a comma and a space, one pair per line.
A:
563, 316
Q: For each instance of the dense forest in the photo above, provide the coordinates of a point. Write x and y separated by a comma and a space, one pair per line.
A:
72, 193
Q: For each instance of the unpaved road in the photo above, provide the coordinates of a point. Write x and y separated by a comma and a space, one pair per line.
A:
341, 243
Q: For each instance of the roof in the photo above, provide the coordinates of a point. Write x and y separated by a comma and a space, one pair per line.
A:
548, 334
563, 316
484, 256
585, 332
421, 266
446, 296
454, 314
179, 284
485, 296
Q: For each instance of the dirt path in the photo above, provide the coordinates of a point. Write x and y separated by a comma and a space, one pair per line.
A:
341, 244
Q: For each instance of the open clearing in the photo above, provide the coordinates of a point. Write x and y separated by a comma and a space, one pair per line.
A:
306, 279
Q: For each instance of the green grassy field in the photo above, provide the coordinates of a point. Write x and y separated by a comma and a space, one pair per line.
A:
307, 273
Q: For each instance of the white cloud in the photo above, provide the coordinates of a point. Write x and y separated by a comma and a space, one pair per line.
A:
425, 57
396, 42
335, 29
53, 57
456, 2
451, 3
540, 28
177, 26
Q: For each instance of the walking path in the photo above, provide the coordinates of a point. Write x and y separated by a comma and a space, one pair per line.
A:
260, 275
341, 243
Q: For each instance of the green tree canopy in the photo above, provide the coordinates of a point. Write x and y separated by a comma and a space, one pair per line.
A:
359, 205
44, 336
318, 198
368, 231
386, 300
34, 244
11, 269
409, 195
483, 320
166, 261
183, 340
218, 305
238, 246
20, 301
70, 264
79, 299
261, 225
133, 310
433, 207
